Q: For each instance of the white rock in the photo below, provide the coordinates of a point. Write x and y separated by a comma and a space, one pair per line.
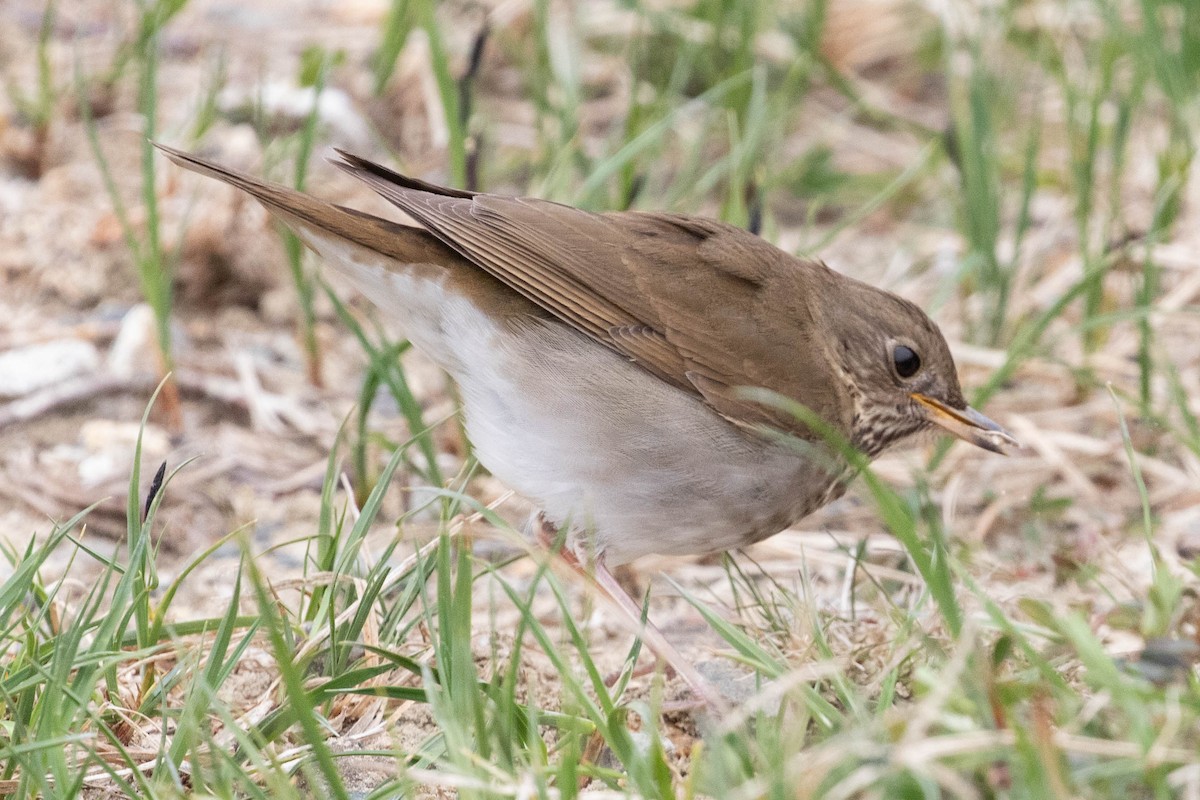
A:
135, 349
335, 109
108, 446
38, 366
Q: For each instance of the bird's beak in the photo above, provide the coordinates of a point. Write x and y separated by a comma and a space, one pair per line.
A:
967, 424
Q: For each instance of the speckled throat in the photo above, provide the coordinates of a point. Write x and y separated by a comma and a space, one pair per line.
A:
879, 427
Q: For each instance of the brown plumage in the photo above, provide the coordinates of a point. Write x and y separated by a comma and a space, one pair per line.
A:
704, 307
602, 358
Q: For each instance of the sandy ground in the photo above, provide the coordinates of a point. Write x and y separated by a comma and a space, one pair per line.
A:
258, 432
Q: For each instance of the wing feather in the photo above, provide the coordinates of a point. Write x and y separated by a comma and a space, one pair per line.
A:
701, 304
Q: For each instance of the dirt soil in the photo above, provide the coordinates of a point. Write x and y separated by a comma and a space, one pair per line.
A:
78, 361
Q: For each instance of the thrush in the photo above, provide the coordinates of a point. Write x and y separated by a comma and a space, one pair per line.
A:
604, 360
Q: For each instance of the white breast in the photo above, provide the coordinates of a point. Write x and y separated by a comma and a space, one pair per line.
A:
634, 465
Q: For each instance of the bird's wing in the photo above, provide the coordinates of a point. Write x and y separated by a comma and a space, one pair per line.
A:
703, 305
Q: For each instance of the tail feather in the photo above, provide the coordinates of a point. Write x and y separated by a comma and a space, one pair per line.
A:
405, 243
360, 167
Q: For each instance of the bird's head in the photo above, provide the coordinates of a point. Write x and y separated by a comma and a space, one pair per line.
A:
901, 374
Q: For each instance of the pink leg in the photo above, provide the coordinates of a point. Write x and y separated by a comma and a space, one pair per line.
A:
651, 636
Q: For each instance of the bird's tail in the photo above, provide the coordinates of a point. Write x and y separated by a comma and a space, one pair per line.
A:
304, 214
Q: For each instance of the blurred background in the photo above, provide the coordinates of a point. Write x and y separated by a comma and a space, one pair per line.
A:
1023, 169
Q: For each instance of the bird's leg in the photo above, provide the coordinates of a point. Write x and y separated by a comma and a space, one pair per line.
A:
658, 644
654, 639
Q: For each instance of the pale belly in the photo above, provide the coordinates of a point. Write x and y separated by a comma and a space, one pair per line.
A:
618, 455
633, 465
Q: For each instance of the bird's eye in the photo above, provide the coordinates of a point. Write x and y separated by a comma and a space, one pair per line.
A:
907, 362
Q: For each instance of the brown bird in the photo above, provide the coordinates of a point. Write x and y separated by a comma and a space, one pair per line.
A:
603, 360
